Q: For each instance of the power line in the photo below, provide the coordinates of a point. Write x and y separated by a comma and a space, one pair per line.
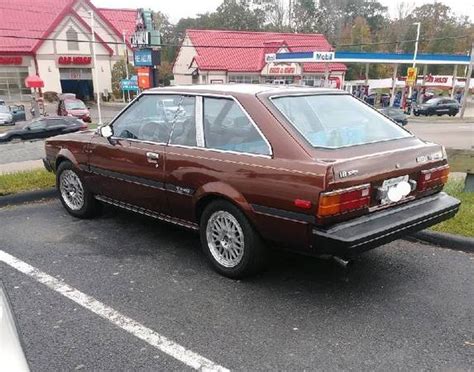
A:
224, 46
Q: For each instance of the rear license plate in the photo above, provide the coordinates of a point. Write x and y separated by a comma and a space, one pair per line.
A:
393, 181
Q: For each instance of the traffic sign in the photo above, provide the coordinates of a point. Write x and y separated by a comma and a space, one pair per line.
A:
129, 84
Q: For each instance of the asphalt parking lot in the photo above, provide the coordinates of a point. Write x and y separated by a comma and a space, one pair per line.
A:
404, 306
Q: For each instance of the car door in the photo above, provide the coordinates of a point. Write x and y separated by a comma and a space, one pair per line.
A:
54, 127
441, 107
36, 129
129, 166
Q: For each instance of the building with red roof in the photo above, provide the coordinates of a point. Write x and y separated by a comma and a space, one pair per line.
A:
52, 39
222, 56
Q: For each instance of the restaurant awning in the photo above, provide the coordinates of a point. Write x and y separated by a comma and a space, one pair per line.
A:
34, 81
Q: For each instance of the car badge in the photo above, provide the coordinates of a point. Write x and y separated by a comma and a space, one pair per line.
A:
349, 173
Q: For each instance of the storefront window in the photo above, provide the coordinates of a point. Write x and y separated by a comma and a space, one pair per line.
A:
313, 80
12, 83
244, 79
279, 80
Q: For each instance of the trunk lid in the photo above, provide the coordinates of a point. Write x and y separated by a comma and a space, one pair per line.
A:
375, 164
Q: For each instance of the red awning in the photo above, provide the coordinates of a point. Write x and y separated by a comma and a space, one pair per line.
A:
34, 81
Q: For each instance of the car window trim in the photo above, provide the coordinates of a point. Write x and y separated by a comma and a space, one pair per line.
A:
199, 123
267, 143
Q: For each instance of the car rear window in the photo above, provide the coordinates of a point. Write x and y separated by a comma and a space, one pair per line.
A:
337, 120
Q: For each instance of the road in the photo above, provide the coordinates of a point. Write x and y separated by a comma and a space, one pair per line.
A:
450, 133
404, 306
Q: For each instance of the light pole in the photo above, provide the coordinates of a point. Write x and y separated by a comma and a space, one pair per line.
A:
126, 61
96, 67
410, 91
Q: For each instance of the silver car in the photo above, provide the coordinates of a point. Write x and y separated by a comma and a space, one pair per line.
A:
6, 118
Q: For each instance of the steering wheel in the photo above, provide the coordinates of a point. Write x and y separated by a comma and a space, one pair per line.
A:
154, 131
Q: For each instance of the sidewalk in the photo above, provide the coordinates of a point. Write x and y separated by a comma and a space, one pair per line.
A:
21, 166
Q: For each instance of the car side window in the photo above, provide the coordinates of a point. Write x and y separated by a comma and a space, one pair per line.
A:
154, 117
183, 116
227, 127
54, 123
40, 124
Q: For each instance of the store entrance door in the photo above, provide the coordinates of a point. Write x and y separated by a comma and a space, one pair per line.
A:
77, 81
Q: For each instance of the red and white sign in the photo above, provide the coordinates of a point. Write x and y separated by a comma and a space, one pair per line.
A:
11, 60
74, 60
282, 70
437, 79
144, 81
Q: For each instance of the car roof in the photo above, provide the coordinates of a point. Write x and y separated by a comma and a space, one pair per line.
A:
250, 89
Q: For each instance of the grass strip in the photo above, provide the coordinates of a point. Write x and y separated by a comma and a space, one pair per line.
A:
12, 183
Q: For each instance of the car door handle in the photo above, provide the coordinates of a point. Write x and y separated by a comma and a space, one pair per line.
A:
152, 157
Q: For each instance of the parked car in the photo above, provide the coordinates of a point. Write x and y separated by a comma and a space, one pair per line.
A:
6, 117
252, 167
395, 114
437, 106
18, 113
43, 127
11, 353
69, 105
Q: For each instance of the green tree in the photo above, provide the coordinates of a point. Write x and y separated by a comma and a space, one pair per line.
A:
119, 73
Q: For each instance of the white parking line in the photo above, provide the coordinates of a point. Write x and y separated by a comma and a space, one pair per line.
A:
153, 338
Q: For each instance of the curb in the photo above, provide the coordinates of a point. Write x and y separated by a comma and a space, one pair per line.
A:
26, 197
446, 240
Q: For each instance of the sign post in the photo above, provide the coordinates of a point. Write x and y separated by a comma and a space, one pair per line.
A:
467, 84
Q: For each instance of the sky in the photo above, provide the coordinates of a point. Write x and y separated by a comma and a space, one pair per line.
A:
176, 9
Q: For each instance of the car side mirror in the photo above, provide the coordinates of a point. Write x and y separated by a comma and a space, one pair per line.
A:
107, 132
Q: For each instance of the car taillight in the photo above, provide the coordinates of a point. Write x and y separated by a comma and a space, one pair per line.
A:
342, 201
432, 178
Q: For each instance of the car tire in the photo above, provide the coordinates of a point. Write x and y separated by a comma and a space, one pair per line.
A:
416, 113
73, 193
230, 242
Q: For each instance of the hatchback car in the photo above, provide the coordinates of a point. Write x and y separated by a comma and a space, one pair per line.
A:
437, 106
69, 105
252, 167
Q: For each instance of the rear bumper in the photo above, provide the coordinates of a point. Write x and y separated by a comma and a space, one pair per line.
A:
350, 238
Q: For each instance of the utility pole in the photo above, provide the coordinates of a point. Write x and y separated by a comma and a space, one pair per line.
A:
126, 61
410, 91
468, 82
96, 67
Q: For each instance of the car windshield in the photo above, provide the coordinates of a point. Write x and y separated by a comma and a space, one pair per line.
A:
75, 105
4, 109
337, 120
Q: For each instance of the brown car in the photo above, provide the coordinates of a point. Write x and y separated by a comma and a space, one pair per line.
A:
253, 167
